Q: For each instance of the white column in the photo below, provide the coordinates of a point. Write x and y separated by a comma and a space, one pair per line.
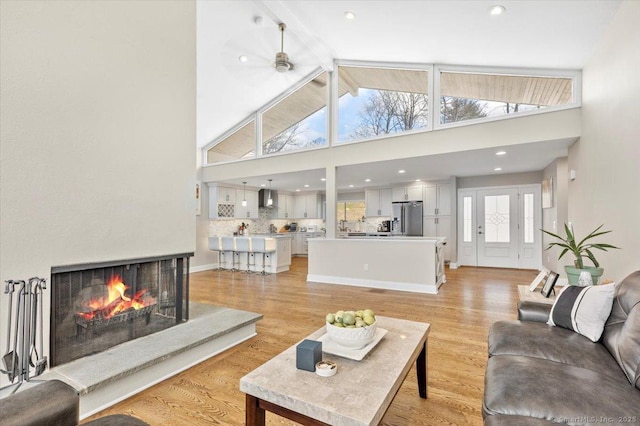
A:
330, 188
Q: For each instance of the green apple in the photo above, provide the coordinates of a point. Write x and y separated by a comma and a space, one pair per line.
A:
330, 318
349, 318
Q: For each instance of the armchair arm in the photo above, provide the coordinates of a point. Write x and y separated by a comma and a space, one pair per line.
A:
531, 311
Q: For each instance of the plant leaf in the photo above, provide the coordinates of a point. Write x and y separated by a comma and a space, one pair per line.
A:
593, 258
563, 253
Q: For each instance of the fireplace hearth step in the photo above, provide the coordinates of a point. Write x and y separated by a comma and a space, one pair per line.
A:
124, 370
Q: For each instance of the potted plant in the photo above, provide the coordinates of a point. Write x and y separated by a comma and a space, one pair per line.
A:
583, 248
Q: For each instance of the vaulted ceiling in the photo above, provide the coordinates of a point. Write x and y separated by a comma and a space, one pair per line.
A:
538, 34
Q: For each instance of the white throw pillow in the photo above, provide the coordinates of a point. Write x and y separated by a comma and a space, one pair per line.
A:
583, 309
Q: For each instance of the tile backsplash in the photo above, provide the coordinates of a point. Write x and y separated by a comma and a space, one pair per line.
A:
369, 224
224, 226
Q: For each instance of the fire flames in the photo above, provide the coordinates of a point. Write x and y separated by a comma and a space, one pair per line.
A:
116, 301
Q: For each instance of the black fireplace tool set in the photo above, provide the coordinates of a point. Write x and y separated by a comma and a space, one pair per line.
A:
24, 327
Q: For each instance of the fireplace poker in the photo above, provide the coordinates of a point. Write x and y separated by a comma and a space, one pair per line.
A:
40, 364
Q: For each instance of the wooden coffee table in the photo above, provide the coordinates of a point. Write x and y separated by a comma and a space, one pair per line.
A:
359, 394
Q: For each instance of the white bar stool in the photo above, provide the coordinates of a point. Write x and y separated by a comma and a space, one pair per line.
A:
243, 245
259, 246
215, 244
229, 245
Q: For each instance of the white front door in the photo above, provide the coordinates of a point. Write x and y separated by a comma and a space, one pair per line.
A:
500, 227
497, 228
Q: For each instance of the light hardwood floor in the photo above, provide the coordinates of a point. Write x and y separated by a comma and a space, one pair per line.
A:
460, 316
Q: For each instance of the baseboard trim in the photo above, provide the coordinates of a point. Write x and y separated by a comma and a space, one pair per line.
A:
385, 285
201, 268
453, 265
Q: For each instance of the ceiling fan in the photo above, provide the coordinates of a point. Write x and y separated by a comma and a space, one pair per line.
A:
282, 63
251, 56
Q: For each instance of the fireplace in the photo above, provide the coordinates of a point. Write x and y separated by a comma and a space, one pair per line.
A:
100, 305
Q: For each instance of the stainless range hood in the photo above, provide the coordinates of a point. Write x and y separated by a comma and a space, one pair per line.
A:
263, 197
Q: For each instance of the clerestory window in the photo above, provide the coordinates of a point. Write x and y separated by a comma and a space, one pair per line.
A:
239, 144
375, 101
298, 121
467, 95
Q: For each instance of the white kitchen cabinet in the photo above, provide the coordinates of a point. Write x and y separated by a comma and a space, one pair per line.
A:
305, 240
222, 202
283, 250
226, 195
438, 226
250, 211
378, 202
429, 200
285, 206
436, 200
297, 244
414, 193
407, 193
306, 206
444, 199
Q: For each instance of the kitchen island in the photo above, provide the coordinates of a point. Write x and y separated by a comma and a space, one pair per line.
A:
414, 264
278, 260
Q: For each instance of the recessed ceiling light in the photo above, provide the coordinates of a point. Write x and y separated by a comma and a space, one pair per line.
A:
350, 15
501, 152
298, 190
402, 171
306, 185
263, 185
497, 10
243, 58
323, 179
418, 180
497, 169
351, 186
367, 180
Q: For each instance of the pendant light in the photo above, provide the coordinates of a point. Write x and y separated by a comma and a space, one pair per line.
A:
270, 200
244, 199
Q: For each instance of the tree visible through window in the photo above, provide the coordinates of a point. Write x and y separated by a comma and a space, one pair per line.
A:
350, 211
380, 101
298, 121
391, 112
465, 96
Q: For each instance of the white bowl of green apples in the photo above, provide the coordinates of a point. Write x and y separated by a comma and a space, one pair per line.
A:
352, 329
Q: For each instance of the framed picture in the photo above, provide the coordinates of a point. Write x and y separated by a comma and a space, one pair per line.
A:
198, 198
541, 276
547, 193
549, 284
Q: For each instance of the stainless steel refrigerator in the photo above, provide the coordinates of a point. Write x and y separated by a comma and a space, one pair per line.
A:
407, 218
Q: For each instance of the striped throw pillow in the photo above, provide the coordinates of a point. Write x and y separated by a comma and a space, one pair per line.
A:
583, 309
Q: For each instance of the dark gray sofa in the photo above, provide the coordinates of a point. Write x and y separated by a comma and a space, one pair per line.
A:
52, 403
539, 374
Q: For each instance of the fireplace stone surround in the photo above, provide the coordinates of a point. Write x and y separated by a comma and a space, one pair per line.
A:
119, 372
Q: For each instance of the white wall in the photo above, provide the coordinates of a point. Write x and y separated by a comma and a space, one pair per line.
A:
98, 133
607, 157
550, 126
506, 179
554, 218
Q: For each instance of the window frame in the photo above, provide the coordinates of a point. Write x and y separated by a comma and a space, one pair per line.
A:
315, 73
227, 134
574, 75
429, 68
433, 123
